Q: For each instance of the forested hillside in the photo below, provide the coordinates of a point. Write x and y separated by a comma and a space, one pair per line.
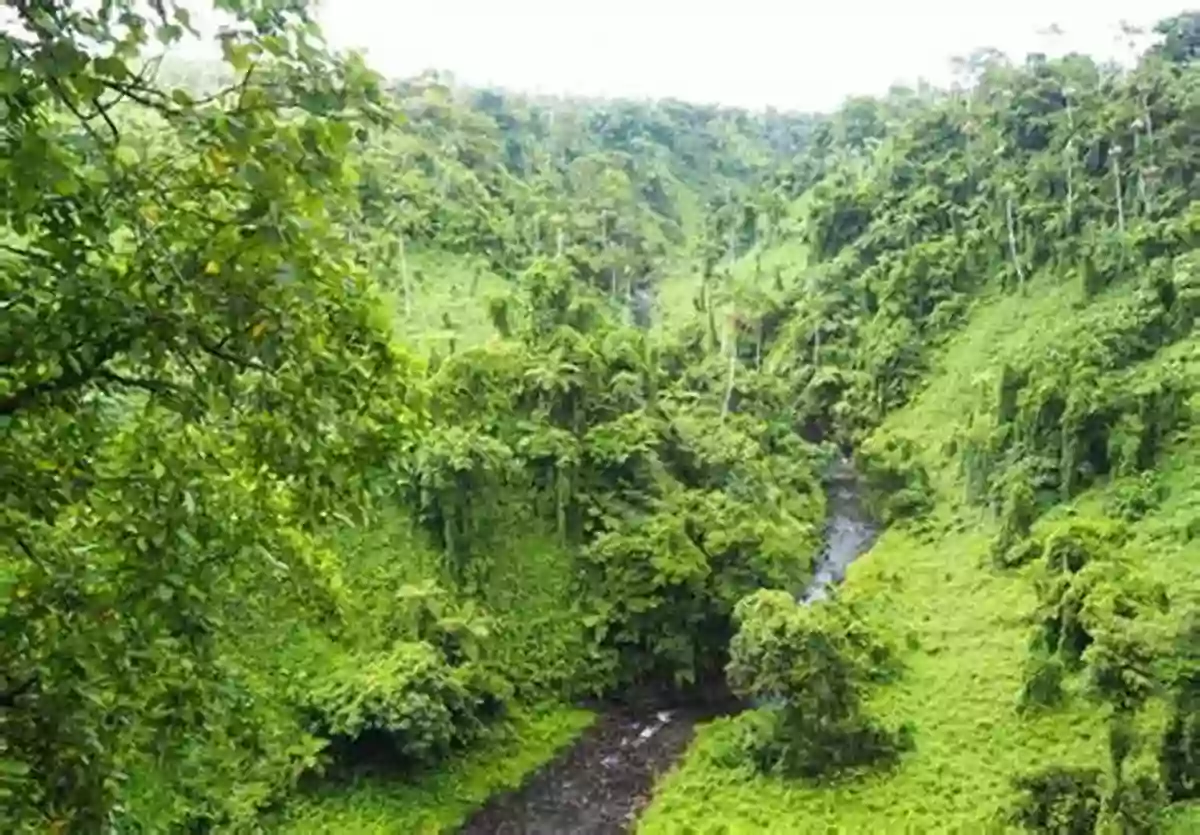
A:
354, 432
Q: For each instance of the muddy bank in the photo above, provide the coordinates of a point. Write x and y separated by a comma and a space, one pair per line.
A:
600, 784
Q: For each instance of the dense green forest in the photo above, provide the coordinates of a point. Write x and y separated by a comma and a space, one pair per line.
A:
355, 427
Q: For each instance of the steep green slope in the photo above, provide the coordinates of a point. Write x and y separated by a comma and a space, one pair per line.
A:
963, 625
1000, 317
441, 300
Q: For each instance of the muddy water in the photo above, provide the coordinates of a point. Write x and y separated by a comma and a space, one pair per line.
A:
600, 784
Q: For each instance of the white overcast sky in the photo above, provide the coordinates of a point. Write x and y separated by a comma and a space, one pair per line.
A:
805, 54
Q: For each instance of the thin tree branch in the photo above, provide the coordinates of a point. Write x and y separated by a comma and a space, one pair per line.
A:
220, 353
25, 397
153, 386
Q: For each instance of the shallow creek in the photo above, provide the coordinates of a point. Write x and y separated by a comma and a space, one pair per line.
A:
600, 784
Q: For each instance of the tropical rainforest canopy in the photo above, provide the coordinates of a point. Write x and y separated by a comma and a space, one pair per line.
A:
345, 419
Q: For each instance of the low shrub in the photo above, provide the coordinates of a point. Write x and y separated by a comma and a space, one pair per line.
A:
405, 706
897, 485
809, 664
1136, 497
1043, 685
1134, 806
1179, 754
1064, 801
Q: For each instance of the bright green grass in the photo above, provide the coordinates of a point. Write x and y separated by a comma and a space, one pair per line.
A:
958, 690
751, 276
445, 288
440, 801
961, 630
1182, 820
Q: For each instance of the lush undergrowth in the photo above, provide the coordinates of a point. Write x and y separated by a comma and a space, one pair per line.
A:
325, 429
439, 801
964, 626
966, 633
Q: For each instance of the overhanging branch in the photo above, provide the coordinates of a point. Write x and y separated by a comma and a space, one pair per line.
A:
15, 402
144, 383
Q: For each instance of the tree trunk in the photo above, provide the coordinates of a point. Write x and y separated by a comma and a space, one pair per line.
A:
712, 318
1070, 163
1120, 198
732, 369
1141, 179
1070, 179
404, 281
1012, 243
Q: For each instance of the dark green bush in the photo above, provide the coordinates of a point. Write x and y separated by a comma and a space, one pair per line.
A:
1043, 682
1022, 552
1134, 805
1135, 498
1179, 754
407, 704
771, 740
1102, 601
809, 664
1059, 801
1012, 546
1077, 542
896, 484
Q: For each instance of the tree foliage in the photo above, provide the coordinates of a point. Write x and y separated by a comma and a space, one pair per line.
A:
811, 664
185, 394
245, 532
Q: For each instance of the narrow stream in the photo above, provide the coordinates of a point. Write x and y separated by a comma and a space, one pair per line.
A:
603, 781
849, 532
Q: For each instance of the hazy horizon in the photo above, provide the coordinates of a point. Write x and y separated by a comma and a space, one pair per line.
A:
758, 54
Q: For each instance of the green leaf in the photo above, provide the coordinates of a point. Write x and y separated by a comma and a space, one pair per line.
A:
168, 33
13, 768
127, 156
66, 186
112, 67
